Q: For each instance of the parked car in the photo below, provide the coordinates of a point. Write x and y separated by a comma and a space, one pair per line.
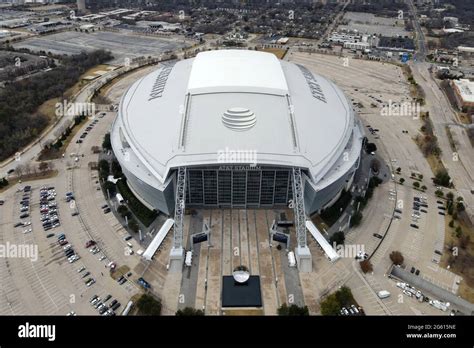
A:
108, 297
90, 243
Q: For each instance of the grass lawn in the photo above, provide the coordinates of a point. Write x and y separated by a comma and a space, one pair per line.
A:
464, 261
278, 52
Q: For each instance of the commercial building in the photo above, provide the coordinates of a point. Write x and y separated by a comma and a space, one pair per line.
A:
464, 93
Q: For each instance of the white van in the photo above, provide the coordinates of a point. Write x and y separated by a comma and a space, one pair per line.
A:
383, 294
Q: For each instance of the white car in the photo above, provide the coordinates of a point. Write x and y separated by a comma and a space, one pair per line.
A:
27, 230
71, 313
81, 269
90, 283
102, 258
67, 247
28, 223
111, 265
74, 258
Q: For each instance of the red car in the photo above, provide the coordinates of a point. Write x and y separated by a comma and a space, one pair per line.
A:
90, 243
63, 242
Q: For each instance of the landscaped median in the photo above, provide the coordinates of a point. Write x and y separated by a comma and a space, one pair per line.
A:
145, 215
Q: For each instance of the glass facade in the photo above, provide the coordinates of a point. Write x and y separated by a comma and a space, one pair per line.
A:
237, 186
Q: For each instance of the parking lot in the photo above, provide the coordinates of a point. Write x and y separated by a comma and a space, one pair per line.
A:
368, 23
122, 45
53, 284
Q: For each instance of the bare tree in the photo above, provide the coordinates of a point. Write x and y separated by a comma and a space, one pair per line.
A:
20, 170
43, 167
366, 266
28, 168
396, 257
47, 143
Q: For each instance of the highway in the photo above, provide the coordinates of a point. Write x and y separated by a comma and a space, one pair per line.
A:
460, 163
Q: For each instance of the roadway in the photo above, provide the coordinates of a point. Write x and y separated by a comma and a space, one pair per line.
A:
460, 161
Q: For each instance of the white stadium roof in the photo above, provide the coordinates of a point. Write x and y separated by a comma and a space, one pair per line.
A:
224, 72
236, 100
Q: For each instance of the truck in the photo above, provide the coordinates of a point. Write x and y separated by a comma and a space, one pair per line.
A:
189, 258
127, 308
440, 305
291, 259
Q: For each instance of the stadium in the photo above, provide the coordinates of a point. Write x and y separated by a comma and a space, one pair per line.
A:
239, 121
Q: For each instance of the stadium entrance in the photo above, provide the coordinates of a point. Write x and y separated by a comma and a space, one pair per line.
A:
238, 186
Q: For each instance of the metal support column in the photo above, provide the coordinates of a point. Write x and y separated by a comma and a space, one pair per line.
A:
177, 251
303, 255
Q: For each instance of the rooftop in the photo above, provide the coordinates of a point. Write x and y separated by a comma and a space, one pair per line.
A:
192, 111
466, 89
237, 71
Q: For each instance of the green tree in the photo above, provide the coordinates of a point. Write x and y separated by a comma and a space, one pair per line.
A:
442, 178
106, 144
439, 193
424, 187
148, 305
292, 310
450, 196
460, 206
189, 311
451, 223
356, 219
416, 184
338, 238
330, 306
111, 187
401, 181
116, 169
344, 296
133, 225
123, 210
